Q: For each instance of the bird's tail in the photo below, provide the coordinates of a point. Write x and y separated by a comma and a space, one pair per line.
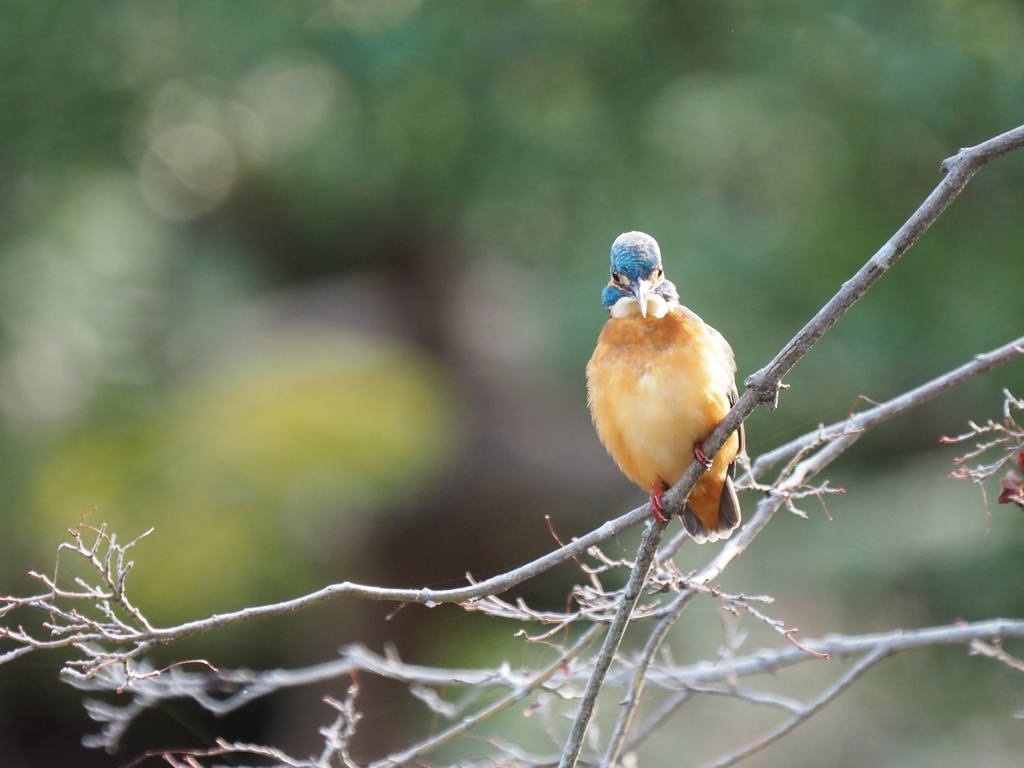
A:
712, 527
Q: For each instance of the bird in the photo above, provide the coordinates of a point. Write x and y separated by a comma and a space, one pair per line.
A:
659, 382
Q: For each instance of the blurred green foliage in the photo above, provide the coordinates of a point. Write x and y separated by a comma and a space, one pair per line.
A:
259, 471
169, 168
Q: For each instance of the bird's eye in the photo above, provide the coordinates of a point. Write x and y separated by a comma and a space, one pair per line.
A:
618, 278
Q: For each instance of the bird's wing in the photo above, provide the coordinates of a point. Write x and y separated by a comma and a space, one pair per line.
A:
742, 432
734, 394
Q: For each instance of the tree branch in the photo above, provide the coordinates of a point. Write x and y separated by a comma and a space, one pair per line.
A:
958, 170
764, 385
682, 681
132, 635
637, 579
153, 687
517, 695
80, 632
841, 647
768, 506
844, 682
860, 422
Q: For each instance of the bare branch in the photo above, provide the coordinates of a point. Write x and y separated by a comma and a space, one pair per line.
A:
1008, 438
859, 422
682, 681
112, 635
995, 651
336, 740
840, 647
795, 476
764, 385
735, 546
517, 695
637, 579
79, 631
338, 735
803, 714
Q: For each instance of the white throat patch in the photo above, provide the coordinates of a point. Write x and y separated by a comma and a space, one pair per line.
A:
657, 307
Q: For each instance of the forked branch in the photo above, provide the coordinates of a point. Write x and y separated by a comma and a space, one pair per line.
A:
764, 385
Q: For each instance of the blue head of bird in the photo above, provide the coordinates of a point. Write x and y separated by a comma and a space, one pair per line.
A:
638, 283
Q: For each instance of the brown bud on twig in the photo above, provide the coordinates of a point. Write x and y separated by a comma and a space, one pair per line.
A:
1013, 490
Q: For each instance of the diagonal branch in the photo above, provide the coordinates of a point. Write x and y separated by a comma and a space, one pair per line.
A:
842, 435
806, 712
861, 422
637, 579
671, 613
764, 385
517, 695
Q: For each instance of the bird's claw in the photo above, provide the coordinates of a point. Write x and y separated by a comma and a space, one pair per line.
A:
699, 455
656, 508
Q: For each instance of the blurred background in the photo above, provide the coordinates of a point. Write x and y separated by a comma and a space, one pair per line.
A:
310, 288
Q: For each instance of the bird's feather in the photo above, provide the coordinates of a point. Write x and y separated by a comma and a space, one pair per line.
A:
657, 386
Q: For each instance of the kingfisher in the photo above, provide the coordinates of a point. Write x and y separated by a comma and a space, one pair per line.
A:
658, 383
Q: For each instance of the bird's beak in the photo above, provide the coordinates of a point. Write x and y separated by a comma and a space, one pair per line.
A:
642, 291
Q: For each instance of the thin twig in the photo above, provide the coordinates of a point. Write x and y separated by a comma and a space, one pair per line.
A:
688, 680
995, 651
80, 632
807, 712
667, 709
517, 695
671, 613
859, 422
839, 647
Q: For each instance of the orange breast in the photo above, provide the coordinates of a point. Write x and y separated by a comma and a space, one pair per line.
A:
657, 386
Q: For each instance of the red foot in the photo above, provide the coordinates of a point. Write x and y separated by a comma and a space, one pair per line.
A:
656, 508
699, 455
